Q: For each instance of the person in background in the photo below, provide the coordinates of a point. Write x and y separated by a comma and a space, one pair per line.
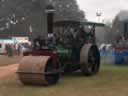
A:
10, 50
19, 50
16, 49
7, 49
37, 43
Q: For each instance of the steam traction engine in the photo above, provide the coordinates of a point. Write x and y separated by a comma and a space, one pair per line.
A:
67, 48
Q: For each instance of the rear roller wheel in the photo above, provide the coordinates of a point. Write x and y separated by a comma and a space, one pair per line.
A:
38, 70
90, 59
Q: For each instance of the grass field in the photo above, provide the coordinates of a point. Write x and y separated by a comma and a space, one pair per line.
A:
5, 60
111, 81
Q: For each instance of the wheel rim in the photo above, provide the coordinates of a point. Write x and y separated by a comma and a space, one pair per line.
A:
89, 59
93, 60
52, 78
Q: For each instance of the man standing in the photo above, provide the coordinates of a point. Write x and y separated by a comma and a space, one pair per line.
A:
38, 43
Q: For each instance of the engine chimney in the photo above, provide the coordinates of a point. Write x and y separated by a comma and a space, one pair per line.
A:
50, 15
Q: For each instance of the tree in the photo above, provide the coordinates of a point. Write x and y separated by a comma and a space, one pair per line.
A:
68, 9
19, 15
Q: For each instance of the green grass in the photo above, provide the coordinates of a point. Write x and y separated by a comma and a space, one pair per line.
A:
5, 60
111, 81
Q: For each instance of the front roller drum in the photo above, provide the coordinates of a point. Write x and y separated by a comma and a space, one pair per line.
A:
38, 70
90, 59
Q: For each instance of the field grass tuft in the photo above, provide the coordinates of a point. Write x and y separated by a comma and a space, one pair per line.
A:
111, 81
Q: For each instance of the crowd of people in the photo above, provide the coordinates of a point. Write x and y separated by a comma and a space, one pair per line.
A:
106, 50
13, 50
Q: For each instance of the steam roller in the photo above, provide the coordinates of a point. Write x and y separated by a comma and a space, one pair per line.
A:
38, 70
68, 48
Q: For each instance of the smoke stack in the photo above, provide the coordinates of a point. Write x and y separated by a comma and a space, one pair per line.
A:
50, 16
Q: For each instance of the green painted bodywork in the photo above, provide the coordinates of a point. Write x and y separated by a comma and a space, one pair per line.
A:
64, 54
68, 59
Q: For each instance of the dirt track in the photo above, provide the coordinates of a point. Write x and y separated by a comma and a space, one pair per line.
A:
8, 70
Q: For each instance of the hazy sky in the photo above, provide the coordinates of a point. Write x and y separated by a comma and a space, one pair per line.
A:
109, 8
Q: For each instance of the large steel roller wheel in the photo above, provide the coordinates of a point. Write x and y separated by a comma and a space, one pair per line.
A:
90, 59
38, 70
